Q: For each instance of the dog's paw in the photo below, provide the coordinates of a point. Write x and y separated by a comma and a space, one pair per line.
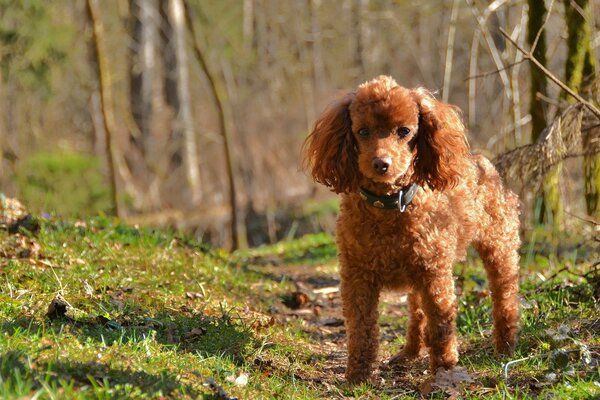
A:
405, 355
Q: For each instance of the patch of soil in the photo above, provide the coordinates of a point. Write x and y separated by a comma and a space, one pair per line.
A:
317, 301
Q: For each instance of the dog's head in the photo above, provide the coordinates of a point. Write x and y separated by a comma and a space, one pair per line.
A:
386, 134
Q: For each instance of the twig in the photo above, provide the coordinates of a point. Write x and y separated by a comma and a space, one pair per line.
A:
493, 49
590, 220
474, 55
589, 128
494, 72
528, 56
514, 77
520, 360
450, 51
539, 32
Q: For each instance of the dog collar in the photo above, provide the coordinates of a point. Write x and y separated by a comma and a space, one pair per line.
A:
393, 201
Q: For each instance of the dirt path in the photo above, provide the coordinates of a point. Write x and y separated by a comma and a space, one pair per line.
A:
316, 300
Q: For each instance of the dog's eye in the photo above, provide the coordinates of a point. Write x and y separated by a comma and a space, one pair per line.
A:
403, 131
364, 132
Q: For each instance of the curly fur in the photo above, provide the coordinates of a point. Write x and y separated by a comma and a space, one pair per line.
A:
461, 201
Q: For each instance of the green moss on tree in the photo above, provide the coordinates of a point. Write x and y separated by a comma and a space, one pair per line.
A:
550, 204
580, 71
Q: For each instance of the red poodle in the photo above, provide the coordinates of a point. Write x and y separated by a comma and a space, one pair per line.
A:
413, 199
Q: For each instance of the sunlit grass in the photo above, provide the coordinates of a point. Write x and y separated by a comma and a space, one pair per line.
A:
155, 314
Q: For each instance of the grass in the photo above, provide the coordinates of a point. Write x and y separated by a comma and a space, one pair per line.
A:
142, 314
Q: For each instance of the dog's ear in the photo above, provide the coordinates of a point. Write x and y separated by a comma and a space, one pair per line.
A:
441, 144
329, 152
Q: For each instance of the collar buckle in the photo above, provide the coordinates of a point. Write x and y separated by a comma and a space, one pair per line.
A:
395, 201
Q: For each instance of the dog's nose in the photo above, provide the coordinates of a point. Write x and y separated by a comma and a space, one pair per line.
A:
381, 165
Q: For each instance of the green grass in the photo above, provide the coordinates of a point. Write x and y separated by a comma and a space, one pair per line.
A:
65, 183
154, 314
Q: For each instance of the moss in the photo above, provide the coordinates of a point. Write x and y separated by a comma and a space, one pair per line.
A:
591, 168
580, 57
553, 210
579, 71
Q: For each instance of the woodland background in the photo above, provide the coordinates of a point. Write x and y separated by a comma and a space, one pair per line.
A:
192, 113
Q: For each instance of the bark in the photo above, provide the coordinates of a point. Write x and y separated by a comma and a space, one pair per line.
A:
93, 9
184, 120
580, 71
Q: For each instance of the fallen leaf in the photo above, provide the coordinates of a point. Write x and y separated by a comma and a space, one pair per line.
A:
195, 333
450, 381
258, 324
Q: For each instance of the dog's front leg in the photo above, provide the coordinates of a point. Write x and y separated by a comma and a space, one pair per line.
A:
439, 304
360, 297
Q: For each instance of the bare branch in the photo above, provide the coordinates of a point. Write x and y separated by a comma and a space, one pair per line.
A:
493, 49
450, 51
494, 72
539, 32
550, 75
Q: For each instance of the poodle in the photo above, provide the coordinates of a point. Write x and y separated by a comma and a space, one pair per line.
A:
413, 198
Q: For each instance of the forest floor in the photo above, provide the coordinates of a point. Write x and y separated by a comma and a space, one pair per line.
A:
98, 309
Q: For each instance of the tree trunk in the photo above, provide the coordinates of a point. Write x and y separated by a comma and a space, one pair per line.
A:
450, 51
580, 71
184, 120
144, 33
103, 73
238, 237
549, 206
248, 25
318, 69
357, 16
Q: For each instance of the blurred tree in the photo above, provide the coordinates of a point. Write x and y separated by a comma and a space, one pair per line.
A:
357, 12
144, 25
549, 206
31, 42
580, 75
184, 124
238, 231
105, 95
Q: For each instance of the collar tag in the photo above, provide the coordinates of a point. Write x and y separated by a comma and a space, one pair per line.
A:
401, 203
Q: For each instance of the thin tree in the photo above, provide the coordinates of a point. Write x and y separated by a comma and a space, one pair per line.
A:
550, 203
357, 7
144, 32
93, 10
238, 238
184, 120
580, 70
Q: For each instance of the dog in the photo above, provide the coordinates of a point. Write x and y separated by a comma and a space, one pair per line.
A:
413, 198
